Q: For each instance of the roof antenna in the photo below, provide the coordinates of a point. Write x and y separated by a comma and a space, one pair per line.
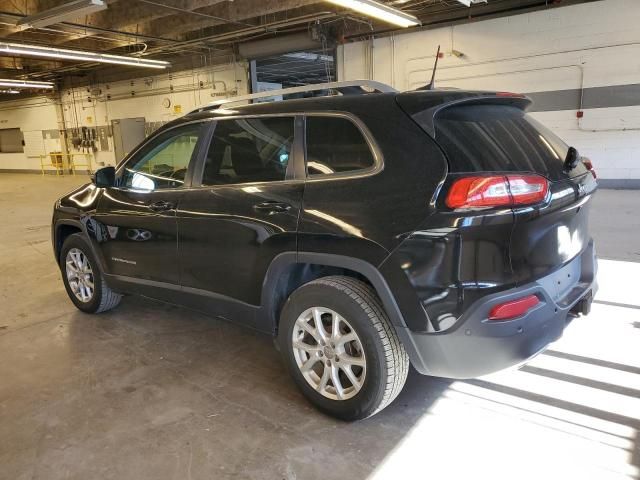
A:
432, 83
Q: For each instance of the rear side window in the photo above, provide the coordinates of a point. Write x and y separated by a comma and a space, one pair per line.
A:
249, 150
335, 145
499, 138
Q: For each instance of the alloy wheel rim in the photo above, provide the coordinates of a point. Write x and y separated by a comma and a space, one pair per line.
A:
329, 353
79, 275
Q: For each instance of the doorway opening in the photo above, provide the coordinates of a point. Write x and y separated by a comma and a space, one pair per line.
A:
293, 70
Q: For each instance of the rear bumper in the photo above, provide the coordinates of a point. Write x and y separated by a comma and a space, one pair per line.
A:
477, 346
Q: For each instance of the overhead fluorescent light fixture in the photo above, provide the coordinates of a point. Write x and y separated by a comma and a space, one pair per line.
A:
468, 3
380, 11
62, 54
61, 13
25, 84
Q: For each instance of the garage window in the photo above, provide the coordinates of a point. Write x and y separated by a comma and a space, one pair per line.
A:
335, 145
11, 140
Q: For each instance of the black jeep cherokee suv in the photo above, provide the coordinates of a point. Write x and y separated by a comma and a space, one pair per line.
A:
446, 229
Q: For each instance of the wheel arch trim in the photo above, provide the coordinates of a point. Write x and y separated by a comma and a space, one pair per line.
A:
79, 224
366, 269
69, 222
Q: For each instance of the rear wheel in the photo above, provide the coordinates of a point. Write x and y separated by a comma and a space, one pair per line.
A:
341, 348
83, 278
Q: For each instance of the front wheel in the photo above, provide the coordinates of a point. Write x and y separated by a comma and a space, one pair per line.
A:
83, 279
341, 349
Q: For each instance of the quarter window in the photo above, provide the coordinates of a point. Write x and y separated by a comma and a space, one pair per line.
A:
499, 138
249, 150
163, 163
335, 145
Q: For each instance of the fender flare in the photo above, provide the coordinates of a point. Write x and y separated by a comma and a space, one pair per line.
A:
55, 232
73, 222
366, 269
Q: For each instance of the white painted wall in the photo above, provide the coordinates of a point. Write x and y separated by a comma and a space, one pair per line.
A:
36, 114
150, 93
587, 45
39, 114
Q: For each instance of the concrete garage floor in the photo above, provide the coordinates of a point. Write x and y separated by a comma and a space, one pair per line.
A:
151, 391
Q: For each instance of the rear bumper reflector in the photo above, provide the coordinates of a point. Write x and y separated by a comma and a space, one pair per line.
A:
513, 308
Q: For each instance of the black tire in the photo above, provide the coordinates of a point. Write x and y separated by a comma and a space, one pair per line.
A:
387, 363
103, 298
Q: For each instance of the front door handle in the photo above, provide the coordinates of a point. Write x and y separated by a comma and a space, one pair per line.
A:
162, 206
271, 206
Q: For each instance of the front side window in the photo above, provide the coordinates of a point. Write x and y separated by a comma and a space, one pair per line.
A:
163, 163
335, 145
249, 150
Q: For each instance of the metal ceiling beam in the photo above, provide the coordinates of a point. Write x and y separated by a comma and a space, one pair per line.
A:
232, 12
65, 12
190, 33
21, 10
238, 35
11, 63
203, 42
87, 37
126, 16
30, 7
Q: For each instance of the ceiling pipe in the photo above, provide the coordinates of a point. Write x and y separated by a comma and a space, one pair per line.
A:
193, 12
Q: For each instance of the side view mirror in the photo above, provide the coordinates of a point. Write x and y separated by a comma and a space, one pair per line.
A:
105, 177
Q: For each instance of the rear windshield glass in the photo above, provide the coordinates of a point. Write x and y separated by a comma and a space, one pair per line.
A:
499, 138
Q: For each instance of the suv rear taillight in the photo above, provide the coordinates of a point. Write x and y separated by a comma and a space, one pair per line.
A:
497, 191
589, 166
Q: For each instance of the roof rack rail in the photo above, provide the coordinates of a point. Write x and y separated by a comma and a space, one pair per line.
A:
349, 87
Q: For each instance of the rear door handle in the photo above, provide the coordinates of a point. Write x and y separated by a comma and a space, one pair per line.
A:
162, 206
272, 207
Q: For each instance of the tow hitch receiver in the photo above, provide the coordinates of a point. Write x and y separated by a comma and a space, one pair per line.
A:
583, 307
